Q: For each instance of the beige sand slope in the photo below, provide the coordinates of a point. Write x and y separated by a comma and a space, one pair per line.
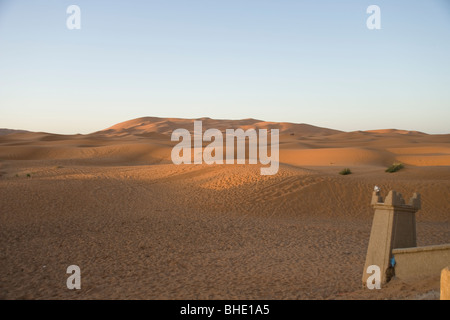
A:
166, 126
9, 131
140, 227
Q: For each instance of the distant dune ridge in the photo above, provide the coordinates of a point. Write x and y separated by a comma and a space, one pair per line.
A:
4, 131
140, 227
167, 125
147, 140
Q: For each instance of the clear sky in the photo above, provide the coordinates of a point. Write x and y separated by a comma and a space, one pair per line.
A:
304, 61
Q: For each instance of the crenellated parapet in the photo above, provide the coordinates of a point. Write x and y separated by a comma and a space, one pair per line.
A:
395, 199
393, 226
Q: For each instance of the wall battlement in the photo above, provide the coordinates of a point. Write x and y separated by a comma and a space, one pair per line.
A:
396, 199
393, 243
393, 226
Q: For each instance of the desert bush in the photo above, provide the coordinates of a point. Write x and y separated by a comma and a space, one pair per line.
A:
395, 167
345, 172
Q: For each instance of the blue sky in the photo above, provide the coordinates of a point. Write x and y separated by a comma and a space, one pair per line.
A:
298, 61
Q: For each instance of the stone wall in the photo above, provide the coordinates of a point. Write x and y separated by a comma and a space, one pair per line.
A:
421, 262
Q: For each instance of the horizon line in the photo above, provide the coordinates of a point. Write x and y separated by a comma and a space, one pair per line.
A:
221, 119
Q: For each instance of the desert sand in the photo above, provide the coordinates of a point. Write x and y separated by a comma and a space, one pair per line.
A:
140, 227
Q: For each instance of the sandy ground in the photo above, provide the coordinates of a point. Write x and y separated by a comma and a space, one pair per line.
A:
140, 227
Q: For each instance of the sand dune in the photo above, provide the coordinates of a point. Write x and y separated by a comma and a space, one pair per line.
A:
166, 126
140, 227
335, 156
383, 131
148, 138
9, 131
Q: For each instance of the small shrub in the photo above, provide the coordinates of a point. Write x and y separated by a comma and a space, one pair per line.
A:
17, 175
345, 172
395, 167
28, 175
